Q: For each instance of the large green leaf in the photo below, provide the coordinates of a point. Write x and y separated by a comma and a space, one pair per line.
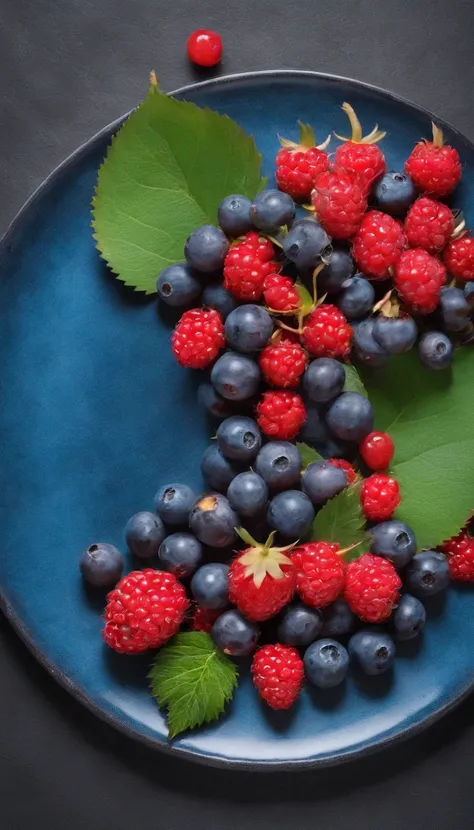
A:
341, 520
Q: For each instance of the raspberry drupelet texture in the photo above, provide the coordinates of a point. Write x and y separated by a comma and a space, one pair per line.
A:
428, 225
458, 257
418, 278
260, 601
326, 333
378, 244
379, 496
372, 588
278, 672
359, 153
281, 414
203, 619
297, 169
247, 264
198, 338
280, 294
319, 573
340, 202
460, 553
434, 167
346, 466
282, 364
144, 610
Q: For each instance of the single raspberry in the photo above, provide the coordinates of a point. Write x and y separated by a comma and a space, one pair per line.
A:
433, 167
459, 257
460, 552
281, 415
282, 364
261, 580
344, 465
340, 202
359, 153
319, 573
203, 619
298, 164
377, 450
379, 497
326, 333
280, 294
372, 587
278, 675
144, 610
418, 279
198, 338
428, 225
247, 264
378, 244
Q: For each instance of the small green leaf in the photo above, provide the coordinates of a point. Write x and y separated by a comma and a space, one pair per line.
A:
193, 680
307, 138
308, 454
341, 520
246, 536
306, 300
353, 381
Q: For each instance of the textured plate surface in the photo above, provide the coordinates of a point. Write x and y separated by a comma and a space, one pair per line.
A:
95, 416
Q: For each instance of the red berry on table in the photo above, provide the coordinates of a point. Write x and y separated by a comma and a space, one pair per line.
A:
428, 225
460, 553
377, 450
372, 588
204, 618
434, 167
278, 672
319, 573
280, 294
418, 278
379, 497
204, 47
281, 414
247, 265
377, 244
282, 364
359, 153
458, 257
198, 338
261, 580
326, 333
298, 164
340, 202
342, 464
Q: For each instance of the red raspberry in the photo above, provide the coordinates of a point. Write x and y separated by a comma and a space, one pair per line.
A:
247, 264
361, 155
297, 169
377, 450
326, 333
280, 294
281, 415
459, 257
434, 168
198, 338
340, 202
428, 225
344, 465
261, 580
204, 618
460, 552
379, 497
282, 364
418, 279
278, 675
377, 244
372, 588
144, 610
319, 573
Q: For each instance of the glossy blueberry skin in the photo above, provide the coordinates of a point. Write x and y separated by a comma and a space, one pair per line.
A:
213, 521
409, 618
435, 351
217, 470
174, 502
233, 215
394, 193
144, 533
271, 209
469, 294
205, 249
279, 464
393, 540
299, 625
213, 403
180, 554
101, 565
210, 586
454, 309
305, 243
428, 573
235, 376
339, 268
395, 335
234, 634
324, 380
338, 619
215, 295
332, 448
239, 438
326, 663
314, 430
248, 328
356, 298
322, 481
248, 494
373, 650
291, 513
350, 417
178, 285
367, 349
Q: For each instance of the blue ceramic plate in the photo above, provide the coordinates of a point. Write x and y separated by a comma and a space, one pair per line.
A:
96, 416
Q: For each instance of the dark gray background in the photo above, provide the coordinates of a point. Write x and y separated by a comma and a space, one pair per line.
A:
67, 68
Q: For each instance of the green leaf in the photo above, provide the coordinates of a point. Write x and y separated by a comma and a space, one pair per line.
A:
165, 173
308, 454
430, 417
341, 520
193, 680
305, 298
353, 381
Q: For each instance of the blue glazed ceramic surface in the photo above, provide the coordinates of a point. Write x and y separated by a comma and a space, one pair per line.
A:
96, 416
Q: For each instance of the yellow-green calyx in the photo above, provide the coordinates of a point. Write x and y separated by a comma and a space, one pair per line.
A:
262, 559
307, 140
357, 137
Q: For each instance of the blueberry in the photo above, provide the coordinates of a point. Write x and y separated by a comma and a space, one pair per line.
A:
144, 533
299, 625
314, 430
394, 193
454, 309
233, 215
427, 573
248, 494
291, 513
332, 448
409, 618
235, 376
213, 521
321, 481
305, 243
326, 663
174, 502
213, 403
178, 285
279, 464
101, 565
205, 249
393, 540
435, 351
217, 470
366, 347
248, 328
239, 438
271, 209
395, 335
339, 269
180, 554
234, 634
350, 417
338, 619
356, 298
469, 293
373, 650
324, 380
215, 295
210, 586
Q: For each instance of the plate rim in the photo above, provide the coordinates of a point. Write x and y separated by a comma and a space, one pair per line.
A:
335, 758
